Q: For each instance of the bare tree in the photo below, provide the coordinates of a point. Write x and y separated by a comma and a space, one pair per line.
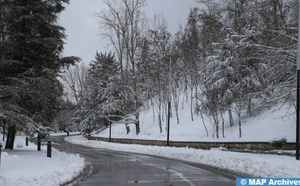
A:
75, 81
122, 24
159, 45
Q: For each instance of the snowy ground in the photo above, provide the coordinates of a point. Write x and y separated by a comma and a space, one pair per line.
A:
27, 167
264, 126
257, 165
274, 124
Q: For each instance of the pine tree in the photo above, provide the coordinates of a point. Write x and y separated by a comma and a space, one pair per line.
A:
103, 100
30, 62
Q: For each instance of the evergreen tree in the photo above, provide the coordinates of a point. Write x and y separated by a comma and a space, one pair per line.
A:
30, 62
103, 99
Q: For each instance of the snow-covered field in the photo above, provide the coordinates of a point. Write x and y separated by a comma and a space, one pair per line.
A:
25, 166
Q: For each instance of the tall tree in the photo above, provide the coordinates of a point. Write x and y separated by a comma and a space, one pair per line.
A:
157, 64
192, 54
30, 62
75, 81
122, 24
102, 100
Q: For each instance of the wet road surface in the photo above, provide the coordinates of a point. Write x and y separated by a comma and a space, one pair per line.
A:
111, 168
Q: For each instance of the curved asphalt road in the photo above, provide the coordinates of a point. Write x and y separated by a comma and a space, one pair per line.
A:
111, 168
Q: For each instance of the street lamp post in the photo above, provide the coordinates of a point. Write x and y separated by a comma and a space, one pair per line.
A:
298, 86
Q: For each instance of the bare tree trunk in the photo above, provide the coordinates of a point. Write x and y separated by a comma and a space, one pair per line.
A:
223, 127
216, 123
196, 95
240, 124
153, 111
249, 107
239, 104
127, 128
177, 116
230, 118
182, 103
137, 125
204, 123
159, 122
186, 88
4, 129
217, 130
159, 97
176, 104
192, 115
10, 137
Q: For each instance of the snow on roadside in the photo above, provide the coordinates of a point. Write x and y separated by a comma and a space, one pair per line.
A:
257, 165
27, 167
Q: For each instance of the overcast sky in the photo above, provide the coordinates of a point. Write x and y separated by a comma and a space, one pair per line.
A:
82, 27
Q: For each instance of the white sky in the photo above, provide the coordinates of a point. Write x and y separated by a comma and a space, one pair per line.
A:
82, 27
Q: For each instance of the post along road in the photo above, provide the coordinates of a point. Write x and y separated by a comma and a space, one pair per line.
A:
114, 168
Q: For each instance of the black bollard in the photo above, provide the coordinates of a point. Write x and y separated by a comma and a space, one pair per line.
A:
26, 141
39, 144
49, 149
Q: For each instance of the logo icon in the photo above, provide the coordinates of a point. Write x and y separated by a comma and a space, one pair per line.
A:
243, 182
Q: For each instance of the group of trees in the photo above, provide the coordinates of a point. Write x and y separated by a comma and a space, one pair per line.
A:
231, 56
31, 43
251, 64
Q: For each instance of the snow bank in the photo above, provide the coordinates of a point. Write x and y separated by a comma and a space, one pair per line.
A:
257, 165
26, 166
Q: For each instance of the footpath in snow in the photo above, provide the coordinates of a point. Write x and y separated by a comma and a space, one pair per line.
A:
25, 166
257, 165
